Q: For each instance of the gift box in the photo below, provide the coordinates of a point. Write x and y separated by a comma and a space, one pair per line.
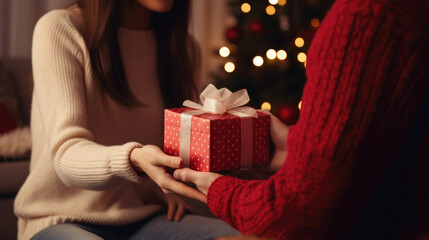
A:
213, 141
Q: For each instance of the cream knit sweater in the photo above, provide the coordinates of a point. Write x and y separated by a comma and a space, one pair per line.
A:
80, 169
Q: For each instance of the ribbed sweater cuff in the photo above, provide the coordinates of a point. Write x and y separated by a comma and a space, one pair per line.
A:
121, 165
219, 197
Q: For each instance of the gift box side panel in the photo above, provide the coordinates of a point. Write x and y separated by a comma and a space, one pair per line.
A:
225, 136
171, 139
199, 154
200, 145
261, 136
171, 132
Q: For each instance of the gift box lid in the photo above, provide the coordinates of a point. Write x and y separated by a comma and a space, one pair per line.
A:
200, 122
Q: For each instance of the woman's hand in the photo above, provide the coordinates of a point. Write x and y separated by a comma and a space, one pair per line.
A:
151, 160
278, 132
202, 180
176, 207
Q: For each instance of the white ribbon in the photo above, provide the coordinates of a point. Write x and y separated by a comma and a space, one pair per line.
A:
185, 135
222, 100
219, 102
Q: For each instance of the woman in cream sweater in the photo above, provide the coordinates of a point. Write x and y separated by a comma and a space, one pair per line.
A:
103, 73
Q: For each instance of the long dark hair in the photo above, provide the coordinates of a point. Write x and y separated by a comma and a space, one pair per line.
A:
175, 61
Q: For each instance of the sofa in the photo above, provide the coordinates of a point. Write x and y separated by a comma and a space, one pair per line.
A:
12, 175
14, 168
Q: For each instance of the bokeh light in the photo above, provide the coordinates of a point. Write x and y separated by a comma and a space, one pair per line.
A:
281, 54
299, 42
266, 105
271, 54
302, 57
245, 7
270, 10
229, 67
315, 22
282, 2
224, 51
258, 61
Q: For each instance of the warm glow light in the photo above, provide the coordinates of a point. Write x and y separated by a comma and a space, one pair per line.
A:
258, 61
229, 67
299, 42
315, 22
281, 54
282, 2
271, 54
266, 105
299, 105
270, 10
305, 64
245, 7
302, 57
273, 2
224, 51
232, 48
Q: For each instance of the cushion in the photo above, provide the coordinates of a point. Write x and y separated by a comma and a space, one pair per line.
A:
7, 120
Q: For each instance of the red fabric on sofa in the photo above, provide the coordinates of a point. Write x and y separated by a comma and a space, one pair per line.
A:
7, 120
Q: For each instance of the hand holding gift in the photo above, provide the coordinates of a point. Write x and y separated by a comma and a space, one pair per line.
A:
278, 133
203, 180
219, 134
151, 160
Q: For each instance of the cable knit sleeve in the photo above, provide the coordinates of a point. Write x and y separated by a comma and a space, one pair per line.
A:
59, 94
366, 79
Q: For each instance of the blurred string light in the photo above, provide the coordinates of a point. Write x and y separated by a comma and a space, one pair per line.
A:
245, 7
229, 67
315, 22
270, 10
282, 2
299, 105
281, 54
266, 105
273, 2
299, 42
224, 51
271, 54
284, 22
258, 61
302, 57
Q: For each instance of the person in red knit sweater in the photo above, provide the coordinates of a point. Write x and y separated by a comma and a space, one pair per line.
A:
357, 159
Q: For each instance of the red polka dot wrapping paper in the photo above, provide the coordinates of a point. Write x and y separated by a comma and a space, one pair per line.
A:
215, 143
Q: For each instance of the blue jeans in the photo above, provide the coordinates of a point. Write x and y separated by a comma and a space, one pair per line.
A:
156, 228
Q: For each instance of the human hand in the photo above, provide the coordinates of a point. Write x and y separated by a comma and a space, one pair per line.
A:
278, 133
202, 180
176, 207
151, 160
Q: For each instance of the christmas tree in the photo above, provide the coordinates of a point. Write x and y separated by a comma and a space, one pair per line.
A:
267, 50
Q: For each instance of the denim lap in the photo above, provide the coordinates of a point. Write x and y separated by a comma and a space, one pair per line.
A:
66, 231
158, 227
189, 228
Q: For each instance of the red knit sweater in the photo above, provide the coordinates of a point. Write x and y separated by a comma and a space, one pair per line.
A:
357, 164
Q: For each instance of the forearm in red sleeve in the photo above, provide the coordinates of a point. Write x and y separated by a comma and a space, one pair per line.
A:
365, 80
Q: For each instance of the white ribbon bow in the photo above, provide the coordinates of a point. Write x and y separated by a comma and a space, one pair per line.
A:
222, 100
